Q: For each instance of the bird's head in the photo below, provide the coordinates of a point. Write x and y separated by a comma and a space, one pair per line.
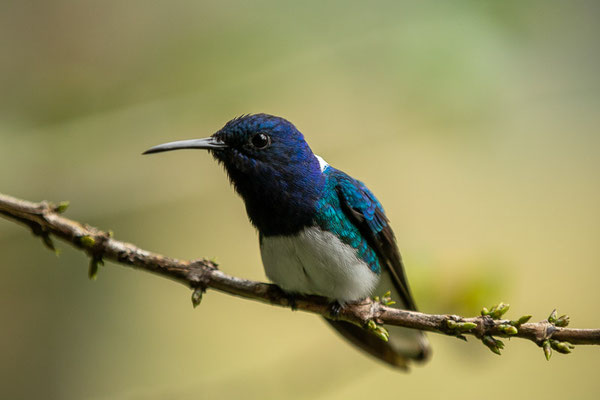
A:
267, 160
260, 142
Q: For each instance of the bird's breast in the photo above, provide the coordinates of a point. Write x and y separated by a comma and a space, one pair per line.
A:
315, 261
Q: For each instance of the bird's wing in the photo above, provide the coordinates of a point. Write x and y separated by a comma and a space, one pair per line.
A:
364, 210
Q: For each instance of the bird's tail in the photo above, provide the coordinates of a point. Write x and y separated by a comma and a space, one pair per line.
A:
404, 344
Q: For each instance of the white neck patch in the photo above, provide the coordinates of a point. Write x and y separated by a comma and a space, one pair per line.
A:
322, 163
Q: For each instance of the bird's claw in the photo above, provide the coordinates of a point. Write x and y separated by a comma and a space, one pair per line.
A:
335, 308
291, 298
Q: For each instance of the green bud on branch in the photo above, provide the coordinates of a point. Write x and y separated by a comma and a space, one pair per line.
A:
87, 241
497, 311
466, 326
562, 321
197, 297
546, 346
61, 207
561, 347
494, 345
95, 262
378, 330
508, 329
451, 324
517, 323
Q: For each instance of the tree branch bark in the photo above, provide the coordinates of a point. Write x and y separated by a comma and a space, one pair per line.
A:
45, 220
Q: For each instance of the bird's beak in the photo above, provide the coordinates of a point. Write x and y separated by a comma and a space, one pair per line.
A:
209, 143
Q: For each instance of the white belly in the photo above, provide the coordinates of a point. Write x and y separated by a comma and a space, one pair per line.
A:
317, 262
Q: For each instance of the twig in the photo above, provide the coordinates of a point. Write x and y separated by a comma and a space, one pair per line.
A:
45, 220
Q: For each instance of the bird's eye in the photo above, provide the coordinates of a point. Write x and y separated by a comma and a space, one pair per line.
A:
260, 140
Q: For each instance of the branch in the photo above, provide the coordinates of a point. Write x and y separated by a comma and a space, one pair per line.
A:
45, 220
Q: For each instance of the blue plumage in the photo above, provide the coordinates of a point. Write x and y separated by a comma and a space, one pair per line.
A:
321, 231
280, 186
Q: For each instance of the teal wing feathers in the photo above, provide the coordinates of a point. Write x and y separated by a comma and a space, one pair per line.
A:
365, 213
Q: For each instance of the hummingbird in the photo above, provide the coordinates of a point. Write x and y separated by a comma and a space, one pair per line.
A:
321, 232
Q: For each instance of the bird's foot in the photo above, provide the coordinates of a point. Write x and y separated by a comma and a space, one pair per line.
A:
378, 330
386, 299
334, 309
292, 298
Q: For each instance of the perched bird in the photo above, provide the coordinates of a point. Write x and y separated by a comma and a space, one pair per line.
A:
321, 231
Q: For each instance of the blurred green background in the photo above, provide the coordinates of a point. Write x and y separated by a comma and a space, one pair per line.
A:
475, 123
